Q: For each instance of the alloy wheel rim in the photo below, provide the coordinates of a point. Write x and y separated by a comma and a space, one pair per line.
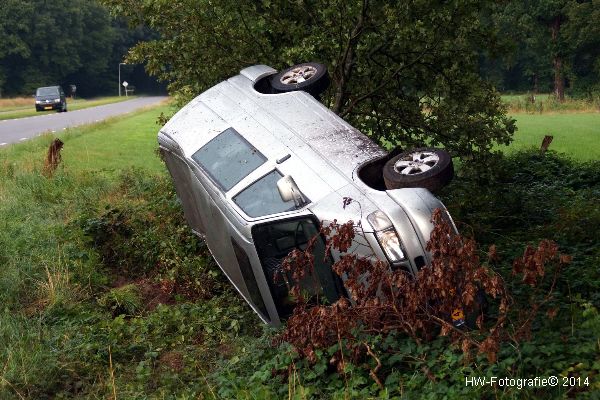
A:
298, 75
416, 163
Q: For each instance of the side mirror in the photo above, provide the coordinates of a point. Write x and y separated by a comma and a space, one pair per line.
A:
288, 190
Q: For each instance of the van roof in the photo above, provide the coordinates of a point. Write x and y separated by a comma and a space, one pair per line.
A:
295, 119
325, 149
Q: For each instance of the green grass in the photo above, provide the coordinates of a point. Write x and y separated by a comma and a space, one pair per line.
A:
575, 134
13, 112
108, 215
113, 145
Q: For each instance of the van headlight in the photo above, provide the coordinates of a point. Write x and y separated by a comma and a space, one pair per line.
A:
386, 236
57, 100
38, 102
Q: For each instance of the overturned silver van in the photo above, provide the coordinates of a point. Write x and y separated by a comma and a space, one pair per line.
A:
259, 165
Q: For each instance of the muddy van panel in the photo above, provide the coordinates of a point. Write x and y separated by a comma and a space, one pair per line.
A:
292, 141
320, 129
229, 150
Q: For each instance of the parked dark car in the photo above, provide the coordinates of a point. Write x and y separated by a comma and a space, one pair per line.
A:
50, 98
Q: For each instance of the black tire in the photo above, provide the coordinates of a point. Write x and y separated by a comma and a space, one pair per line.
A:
315, 82
407, 169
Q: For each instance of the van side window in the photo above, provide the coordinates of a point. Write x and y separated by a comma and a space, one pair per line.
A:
263, 198
228, 158
249, 278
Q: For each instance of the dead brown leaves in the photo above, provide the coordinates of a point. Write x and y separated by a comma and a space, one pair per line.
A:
383, 300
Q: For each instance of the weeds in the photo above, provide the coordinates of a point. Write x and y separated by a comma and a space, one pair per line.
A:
57, 289
544, 103
122, 300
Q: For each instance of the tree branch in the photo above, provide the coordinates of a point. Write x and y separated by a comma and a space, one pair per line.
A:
346, 64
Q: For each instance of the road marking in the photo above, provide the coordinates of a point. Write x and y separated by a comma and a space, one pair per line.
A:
3, 144
23, 138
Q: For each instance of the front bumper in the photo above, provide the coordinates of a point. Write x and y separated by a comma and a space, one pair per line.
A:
48, 106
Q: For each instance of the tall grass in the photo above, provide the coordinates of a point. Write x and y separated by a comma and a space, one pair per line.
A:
547, 103
73, 321
15, 102
46, 266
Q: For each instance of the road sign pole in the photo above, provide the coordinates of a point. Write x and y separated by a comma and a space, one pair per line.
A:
120, 77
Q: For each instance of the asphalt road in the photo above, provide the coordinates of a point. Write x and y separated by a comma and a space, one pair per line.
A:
16, 130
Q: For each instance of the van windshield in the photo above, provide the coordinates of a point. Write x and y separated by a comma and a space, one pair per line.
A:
274, 241
263, 198
228, 158
47, 91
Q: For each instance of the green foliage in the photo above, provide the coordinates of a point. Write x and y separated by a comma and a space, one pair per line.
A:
61, 42
405, 73
583, 33
122, 300
133, 239
130, 286
527, 28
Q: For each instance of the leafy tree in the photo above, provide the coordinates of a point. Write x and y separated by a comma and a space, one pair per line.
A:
525, 64
13, 27
405, 72
61, 42
582, 31
555, 45
550, 14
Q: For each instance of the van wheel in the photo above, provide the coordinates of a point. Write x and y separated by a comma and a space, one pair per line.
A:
309, 77
425, 167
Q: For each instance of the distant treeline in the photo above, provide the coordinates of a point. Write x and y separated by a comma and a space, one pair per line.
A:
546, 46
66, 42
540, 45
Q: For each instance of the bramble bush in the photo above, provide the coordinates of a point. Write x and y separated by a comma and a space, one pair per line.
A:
397, 337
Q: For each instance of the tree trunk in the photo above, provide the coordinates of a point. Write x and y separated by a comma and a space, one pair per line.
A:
559, 79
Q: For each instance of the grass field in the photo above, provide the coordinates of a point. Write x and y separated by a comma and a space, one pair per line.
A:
25, 107
575, 134
60, 332
112, 145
